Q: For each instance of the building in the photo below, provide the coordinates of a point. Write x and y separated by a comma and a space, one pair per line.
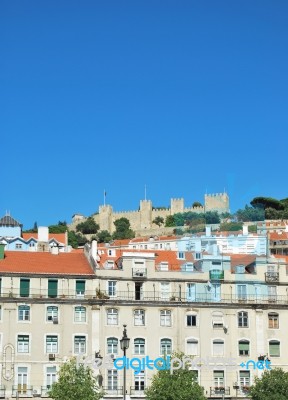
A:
222, 310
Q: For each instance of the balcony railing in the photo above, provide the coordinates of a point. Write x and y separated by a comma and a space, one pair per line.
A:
205, 297
110, 391
2, 391
272, 276
137, 391
22, 391
219, 391
139, 272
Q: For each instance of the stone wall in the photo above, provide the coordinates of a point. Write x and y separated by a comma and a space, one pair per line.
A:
141, 220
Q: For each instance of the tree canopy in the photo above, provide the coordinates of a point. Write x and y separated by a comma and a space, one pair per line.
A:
158, 221
88, 227
273, 385
181, 384
123, 230
75, 382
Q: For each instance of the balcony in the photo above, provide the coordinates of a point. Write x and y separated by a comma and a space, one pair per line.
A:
139, 273
135, 391
216, 275
272, 277
110, 391
22, 391
220, 391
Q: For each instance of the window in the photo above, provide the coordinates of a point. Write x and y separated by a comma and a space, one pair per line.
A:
51, 344
112, 377
192, 347
139, 346
111, 288
244, 379
191, 291
165, 318
163, 266
191, 320
24, 287
112, 345
139, 381
217, 319
80, 314
273, 320
274, 348
181, 255
52, 313
24, 313
18, 246
165, 346
243, 319
50, 376
242, 292
244, 347
240, 269
52, 288
79, 344
23, 344
272, 293
80, 288
165, 290
139, 317
112, 316
218, 347
218, 377
22, 378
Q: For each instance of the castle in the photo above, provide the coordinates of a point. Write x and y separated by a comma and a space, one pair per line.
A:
141, 221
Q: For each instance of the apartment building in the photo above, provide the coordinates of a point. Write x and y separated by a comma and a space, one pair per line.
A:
221, 310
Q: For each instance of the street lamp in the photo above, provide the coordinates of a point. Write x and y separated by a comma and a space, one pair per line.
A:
124, 343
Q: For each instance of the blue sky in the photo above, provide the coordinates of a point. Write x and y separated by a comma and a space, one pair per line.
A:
185, 97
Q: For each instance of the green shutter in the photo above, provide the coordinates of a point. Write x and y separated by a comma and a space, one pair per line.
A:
80, 287
52, 288
24, 287
0, 286
218, 374
274, 349
244, 346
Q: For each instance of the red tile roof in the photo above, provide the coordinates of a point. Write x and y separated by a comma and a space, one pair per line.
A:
60, 237
278, 236
45, 263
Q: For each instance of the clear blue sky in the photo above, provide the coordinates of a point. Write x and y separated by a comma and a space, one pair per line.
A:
186, 97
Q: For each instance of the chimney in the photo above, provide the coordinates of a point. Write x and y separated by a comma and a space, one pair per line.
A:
245, 229
208, 230
94, 249
55, 250
43, 234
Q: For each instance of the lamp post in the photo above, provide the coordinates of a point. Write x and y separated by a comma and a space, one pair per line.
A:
124, 343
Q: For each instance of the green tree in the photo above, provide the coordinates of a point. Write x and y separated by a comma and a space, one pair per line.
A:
158, 221
196, 204
75, 382
123, 230
273, 385
170, 221
57, 228
231, 226
266, 202
76, 239
104, 237
250, 214
180, 385
88, 227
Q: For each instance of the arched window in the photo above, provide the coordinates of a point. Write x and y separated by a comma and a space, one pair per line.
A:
242, 319
165, 346
192, 347
218, 347
274, 348
273, 320
139, 346
112, 345
244, 347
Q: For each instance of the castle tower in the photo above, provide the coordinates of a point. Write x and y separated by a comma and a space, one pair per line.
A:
145, 214
177, 206
217, 202
105, 218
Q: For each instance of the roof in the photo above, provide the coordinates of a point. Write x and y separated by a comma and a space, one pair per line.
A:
7, 220
278, 235
26, 262
59, 237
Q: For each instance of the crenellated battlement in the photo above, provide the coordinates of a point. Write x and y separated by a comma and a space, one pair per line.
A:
142, 219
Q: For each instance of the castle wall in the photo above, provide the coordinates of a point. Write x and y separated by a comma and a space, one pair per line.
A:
141, 220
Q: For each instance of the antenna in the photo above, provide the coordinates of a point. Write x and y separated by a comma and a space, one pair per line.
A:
105, 197
145, 192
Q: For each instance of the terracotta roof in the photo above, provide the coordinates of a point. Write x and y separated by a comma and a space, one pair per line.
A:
242, 259
278, 236
45, 263
59, 237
